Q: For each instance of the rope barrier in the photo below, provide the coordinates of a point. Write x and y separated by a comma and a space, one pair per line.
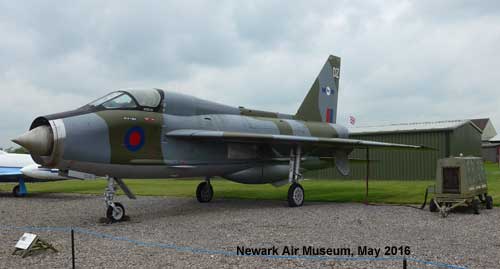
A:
222, 252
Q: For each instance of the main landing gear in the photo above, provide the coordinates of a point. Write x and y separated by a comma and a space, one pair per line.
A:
115, 211
295, 192
204, 191
20, 189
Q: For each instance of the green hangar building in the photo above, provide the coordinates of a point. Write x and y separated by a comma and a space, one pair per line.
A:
491, 140
449, 138
491, 149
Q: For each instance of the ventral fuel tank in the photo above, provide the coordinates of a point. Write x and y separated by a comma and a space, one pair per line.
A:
260, 174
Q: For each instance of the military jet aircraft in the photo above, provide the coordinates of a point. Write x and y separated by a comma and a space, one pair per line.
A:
155, 133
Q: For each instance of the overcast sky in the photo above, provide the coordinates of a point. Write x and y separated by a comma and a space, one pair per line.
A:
402, 61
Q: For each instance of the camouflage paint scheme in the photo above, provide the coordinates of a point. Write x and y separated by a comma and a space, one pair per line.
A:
183, 136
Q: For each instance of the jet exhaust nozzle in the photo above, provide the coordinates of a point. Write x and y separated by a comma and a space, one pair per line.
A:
38, 141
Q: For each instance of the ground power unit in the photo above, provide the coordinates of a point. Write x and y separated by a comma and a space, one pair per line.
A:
460, 181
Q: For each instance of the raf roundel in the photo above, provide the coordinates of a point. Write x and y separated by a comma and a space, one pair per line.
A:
328, 91
134, 138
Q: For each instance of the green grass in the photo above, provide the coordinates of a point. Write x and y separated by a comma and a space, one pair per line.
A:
380, 191
493, 175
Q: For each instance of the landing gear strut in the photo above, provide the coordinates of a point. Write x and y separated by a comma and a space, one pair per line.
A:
295, 192
205, 192
20, 189
115, 211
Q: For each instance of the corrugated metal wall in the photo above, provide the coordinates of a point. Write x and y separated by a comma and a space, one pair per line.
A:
409, 165
490, 154
465, 139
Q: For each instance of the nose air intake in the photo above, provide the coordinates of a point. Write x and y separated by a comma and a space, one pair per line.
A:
37, 141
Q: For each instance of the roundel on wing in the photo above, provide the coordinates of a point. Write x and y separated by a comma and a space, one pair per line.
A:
134, 138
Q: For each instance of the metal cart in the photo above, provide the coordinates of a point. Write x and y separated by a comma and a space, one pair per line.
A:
460, 181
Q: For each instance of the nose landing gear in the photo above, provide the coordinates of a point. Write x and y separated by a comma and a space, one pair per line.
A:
115, 211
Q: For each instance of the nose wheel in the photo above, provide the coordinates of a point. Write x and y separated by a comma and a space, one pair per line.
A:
204, 192
115, 211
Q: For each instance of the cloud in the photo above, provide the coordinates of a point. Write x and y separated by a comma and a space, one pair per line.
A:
401, 60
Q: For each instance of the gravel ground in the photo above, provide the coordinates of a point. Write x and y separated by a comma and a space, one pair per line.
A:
462, 239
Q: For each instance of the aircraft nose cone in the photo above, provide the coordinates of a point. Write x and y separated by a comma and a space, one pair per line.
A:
38, 141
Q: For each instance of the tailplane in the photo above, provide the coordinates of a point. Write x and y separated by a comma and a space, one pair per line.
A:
321, 101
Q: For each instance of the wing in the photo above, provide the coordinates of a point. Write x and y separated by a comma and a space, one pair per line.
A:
341, 143
10, 171
339, 148
10, 174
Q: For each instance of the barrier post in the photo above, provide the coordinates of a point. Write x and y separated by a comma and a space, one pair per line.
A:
73, 248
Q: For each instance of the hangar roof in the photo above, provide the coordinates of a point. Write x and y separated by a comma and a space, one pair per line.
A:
481, 123
490, 145
496, 138
412, 127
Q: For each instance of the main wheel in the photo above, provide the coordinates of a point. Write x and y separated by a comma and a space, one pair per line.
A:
116, 214
204, 192
16, 191
295, 195
475, 206
432, 206
489, 202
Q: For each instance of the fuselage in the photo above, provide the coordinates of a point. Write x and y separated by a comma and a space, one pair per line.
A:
127, 138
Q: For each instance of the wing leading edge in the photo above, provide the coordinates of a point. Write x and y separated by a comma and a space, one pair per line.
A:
288, 139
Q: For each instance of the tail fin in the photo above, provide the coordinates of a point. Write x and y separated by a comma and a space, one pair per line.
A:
321, 101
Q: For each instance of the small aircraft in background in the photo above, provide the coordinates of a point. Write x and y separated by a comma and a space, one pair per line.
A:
21, 168
155, 133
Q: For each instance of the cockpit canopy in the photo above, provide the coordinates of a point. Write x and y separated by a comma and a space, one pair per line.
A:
129, 99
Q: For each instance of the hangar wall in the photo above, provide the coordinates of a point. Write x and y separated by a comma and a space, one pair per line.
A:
491, 152
409, 165
465, 139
